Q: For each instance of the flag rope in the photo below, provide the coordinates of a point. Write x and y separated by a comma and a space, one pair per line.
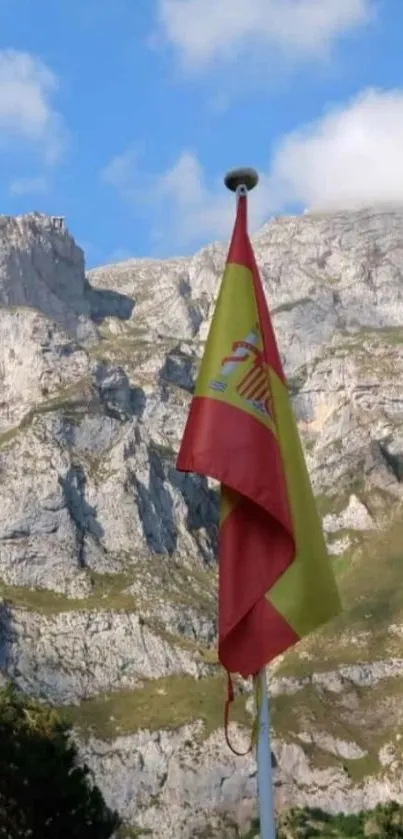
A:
228, 702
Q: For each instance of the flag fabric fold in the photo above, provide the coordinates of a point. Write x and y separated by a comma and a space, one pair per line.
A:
275, 579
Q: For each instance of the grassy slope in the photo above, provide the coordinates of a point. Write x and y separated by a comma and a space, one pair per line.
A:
162, 703
191, 587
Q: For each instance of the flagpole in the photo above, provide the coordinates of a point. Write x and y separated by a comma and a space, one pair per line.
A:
264, 762
241, 181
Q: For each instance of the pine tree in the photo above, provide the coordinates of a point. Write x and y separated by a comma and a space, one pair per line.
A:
44, 793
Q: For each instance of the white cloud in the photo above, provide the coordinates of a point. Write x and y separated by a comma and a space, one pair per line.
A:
191, 209
28, 186
119, 171
27, 88
350, 158
205, 30
183, 209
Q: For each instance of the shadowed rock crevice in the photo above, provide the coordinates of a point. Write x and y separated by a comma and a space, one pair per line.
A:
84, 516
120, 400
155, 507
158, 510
393, 460
202, 505
179, 369
7, 638
184, 287
104, 303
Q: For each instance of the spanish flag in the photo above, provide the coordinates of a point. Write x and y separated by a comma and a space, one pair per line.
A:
276, 583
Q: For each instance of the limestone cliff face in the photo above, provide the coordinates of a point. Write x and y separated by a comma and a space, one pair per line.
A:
41, 267
107, 569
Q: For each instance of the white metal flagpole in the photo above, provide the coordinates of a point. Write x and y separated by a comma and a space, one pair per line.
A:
264, 764
241, 181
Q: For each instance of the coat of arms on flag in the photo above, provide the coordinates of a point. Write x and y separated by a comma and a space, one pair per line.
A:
246, 371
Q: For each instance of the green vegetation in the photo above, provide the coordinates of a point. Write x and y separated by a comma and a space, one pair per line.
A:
254, 831
384, 822
164, 451
331, 504
298, 380
130, 349
371, 586
160, 703
341, 562
364, 338
365, 717
385, 334
291, 304
108, 592
149, 575
44, 793
335, 503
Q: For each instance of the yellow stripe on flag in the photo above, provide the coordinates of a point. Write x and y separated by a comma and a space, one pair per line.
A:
306, 594
228, 502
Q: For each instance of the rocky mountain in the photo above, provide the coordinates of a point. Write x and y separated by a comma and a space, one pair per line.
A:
107, 554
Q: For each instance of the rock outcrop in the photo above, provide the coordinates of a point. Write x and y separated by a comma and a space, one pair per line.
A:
107, 553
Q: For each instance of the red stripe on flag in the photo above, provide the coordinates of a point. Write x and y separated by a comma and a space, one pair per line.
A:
254, 551
257, 640
230, 359
230, 445
245, 345
250, 348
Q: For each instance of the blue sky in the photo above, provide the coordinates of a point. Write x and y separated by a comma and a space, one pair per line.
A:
123, 115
